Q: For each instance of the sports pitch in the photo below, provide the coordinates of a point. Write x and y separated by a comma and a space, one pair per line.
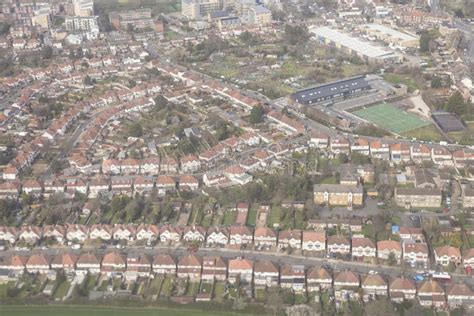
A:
391, 118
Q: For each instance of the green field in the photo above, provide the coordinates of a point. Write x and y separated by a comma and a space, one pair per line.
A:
391, 118
99, 311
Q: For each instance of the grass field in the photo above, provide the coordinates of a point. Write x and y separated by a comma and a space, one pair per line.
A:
102, 311
391, 118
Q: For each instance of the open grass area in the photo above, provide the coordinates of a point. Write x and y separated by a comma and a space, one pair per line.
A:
391, 118
193, 288
167, 287
229, 218
61, 290
219, 290
397, 79
252, 216
425, 133
103, 311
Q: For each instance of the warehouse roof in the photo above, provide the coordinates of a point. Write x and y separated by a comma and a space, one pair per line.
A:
330, 89
351, 42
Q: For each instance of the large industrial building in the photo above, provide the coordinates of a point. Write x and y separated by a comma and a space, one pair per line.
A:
391, 36
332, 92
353, 46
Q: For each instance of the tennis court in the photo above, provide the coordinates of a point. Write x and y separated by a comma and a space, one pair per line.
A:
391, 118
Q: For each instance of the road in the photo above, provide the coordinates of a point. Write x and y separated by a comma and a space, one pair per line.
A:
276, 257
468, 31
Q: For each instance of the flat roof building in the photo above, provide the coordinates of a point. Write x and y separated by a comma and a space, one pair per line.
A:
333, 91
354, 46
391, 36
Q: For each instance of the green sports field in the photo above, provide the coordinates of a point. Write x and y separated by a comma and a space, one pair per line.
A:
391, 118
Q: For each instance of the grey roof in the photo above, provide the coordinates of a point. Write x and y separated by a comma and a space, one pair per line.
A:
337, 188
448, 122
310, 95
417, 191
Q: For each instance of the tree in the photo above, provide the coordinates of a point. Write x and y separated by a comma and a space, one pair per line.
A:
425, 39
256, 115
436, 82
392, 260
456, 104
88, 81
135, 130
47, 52
297, 34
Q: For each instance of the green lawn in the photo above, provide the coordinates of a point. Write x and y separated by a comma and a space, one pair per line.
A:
274, 216
219, 289
155, 286
61, 290
252, 216
167, 287
229, 218
406, 80
426, 133
102, 311
193, 288
391, 118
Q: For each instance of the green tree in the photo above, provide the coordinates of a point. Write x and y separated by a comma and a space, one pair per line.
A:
256, 115
456, 104
436, 82
135, 130
297, 34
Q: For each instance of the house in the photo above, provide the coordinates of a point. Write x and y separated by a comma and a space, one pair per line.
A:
32, 187
467, 197
164, 264
361, 146
147, 232
468, 258
265, 274
190, 164
415, 254
188, 183
418, 197
124, 232
338, 195
190, 267
338, 245
387, 249
111, 166
150, 166
138, 266
346, 279
143, 184
293, 277
130, 166
290, 238
98, 186
374, 285
15, 263
318, 140
77, 233
318, 278
379, 150
55, 233
66, 262
411, 233
100, 232
314, 241
460, 295
217, 236
88, 262
430, 293
339, 145
240, 235
165, 184
8, 234
420, 153
169, 165
194, 234
214, 268
240, 270
121, 185
113, 264
363, 248
402, 289
264, 237
400, 153
170, 234
446, 255
38, 263
30, 234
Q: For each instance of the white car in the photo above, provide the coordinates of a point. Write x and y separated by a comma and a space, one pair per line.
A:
76, 246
